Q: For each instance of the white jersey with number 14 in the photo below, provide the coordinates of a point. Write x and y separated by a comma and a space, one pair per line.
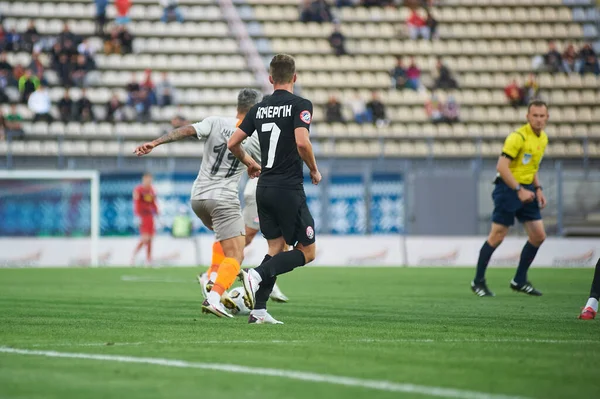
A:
220, 172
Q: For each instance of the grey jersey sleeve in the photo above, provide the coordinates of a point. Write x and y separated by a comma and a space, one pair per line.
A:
203, 128
253, 147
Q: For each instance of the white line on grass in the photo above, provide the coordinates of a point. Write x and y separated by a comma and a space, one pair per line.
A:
150, 279
289, 374
365, 341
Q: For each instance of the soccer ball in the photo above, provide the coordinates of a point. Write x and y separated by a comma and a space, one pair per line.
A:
237, 296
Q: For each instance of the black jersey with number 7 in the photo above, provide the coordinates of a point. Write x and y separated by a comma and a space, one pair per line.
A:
275, 119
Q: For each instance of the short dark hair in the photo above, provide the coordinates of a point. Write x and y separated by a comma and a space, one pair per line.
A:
282, 68
536, 103
246, 99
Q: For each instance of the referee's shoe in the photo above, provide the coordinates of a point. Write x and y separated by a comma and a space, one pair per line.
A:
526, 288
481, 289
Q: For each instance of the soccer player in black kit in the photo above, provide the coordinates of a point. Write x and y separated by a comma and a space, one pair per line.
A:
282, 122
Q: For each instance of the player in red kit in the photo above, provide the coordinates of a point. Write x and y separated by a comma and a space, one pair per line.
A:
144, 207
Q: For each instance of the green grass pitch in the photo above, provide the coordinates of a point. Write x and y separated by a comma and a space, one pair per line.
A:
407, 326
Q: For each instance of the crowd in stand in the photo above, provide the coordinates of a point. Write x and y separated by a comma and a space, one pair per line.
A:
373, 111
519, 95
571, 60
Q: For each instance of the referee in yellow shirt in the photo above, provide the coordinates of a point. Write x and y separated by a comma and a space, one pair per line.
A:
518, 193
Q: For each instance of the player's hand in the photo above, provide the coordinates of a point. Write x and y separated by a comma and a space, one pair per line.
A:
254, 170
541, 199
526, 196
144, 149
315, 177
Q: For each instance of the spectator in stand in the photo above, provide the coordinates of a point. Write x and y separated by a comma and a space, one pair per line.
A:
85, 48
344, 3
13, 124
417, 26
444, 79
37, 68
531, 89
377, 110
377, 3
83, 108
40, 104
142, 105
413, 74
171, 11
2, 38
5, 68
337, 41
80, 71
28, 83
101, 6
114, 109
398, 75
315, 11
133, 89
67, 39
433, 109
30, 37
431, 24
569, 59
588, 60
126, 39
4, 79
359, 110
514, 94
13, 41
148, 84
165, 91
65, 107
553, 59
18, 71
64, 70
333, 110
112, 44
122, 7
451, 110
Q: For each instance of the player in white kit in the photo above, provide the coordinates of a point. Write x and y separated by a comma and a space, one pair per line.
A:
214, 195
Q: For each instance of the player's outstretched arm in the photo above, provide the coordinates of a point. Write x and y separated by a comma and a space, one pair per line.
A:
174, 135
306, 153
235, 146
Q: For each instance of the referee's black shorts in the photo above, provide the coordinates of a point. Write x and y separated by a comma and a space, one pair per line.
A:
283, 212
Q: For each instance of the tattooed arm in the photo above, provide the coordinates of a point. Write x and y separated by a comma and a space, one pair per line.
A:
174, 135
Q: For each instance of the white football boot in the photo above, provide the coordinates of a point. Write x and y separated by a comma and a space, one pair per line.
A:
277, 295
261, 316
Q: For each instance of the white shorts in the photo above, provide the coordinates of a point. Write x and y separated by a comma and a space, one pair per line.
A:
224, 219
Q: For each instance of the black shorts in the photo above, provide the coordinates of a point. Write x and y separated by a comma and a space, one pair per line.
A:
283, 212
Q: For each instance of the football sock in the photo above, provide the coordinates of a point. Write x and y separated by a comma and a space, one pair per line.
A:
214, 297
595, 291
264, 290
281, 263
485, 255
592, 303
228, 271
527, 255
217, 258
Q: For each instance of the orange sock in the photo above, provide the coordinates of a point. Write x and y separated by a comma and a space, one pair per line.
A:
228, 271
217, 258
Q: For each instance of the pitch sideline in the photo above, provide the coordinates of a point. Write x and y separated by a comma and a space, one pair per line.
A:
289, 374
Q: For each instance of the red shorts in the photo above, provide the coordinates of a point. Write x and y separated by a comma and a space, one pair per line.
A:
147, 225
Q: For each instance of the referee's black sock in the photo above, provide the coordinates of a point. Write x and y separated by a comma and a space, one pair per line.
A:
281, 263
485, 255
265, 288
595, 291
527, 255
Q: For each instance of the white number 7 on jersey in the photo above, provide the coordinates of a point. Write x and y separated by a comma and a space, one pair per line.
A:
273, 140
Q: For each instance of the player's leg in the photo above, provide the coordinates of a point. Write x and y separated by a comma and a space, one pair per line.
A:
250, 234
506, 202
137, 249
591, 307
229, 231
531, 218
